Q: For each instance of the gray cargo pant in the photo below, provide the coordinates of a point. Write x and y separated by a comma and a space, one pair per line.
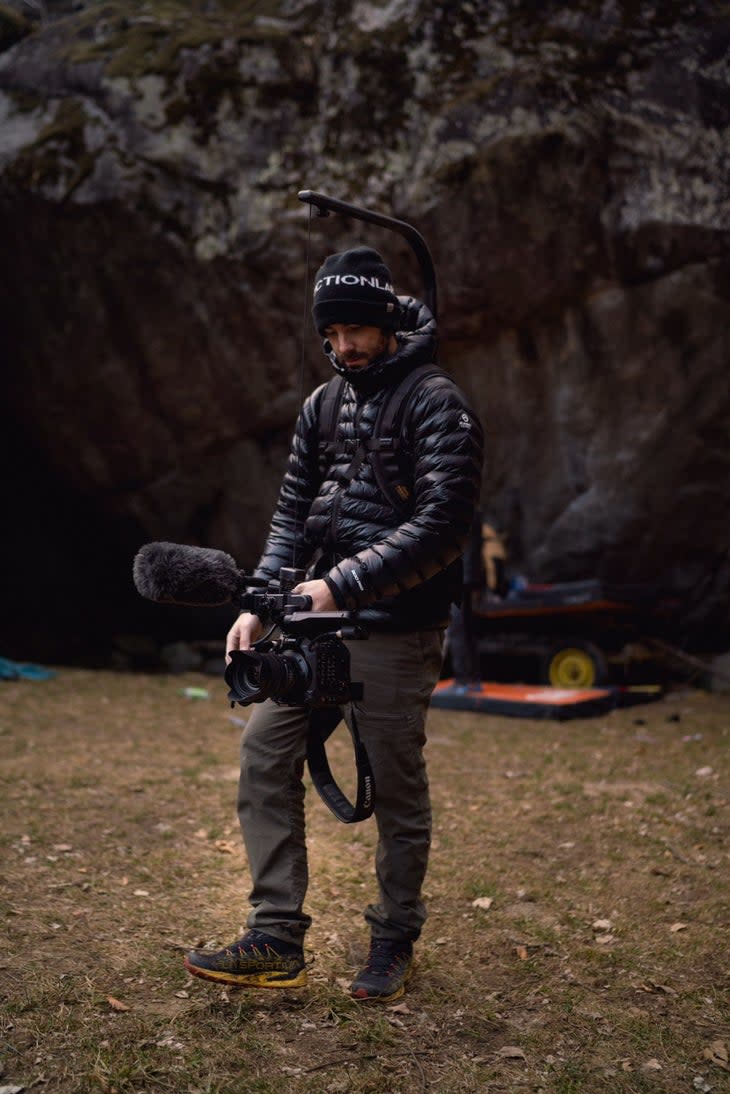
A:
399, 672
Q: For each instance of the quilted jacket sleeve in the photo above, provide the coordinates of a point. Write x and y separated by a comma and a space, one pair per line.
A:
286, 545
447, 444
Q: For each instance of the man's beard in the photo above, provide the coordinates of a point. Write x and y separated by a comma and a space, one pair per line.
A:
362, 360
354, 360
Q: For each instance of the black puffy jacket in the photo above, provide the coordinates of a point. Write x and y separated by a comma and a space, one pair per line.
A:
400, 571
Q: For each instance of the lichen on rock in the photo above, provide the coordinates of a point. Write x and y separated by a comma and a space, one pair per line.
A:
569, 169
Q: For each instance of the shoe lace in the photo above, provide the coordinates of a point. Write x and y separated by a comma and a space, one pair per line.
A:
258, 946
384, 955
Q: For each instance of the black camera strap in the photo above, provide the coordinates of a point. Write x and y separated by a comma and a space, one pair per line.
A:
322, 723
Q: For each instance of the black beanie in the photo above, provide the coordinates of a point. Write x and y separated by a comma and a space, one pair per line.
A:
355, 287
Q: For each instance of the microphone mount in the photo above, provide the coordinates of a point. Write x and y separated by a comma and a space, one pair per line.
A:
324, 205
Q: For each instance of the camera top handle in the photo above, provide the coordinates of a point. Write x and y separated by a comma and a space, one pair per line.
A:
326, 205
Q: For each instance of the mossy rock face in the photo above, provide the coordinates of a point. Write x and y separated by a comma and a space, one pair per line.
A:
13, 27
58, 160
149, 40
565, 161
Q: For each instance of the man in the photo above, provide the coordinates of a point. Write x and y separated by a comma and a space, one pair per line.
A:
396, 565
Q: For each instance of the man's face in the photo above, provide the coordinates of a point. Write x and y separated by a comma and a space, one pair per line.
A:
357, 346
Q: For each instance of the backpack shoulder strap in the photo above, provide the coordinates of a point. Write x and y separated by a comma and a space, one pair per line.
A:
329, 410
392, 411
386, 450
387, 455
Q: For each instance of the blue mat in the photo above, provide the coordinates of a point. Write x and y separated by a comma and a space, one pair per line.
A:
14, 670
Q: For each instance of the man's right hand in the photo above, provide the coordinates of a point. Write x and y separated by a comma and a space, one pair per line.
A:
245, 631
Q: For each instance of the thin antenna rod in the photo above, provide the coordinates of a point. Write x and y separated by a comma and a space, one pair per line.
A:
301, 360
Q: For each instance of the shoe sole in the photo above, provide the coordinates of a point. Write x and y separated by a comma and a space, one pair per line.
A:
248, 980
400, 990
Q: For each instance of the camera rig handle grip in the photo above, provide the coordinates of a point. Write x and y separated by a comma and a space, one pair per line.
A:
326, 205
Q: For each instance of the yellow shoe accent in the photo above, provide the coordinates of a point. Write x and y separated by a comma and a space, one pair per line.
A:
249, 980
258, 960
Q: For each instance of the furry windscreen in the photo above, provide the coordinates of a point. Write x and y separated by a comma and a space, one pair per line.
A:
172, 573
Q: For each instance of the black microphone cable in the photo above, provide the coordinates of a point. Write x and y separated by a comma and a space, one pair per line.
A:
307, 271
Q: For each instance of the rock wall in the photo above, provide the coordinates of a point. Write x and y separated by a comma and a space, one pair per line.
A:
569, 168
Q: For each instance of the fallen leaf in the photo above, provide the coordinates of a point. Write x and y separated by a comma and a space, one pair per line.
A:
11, 1089
62, 847
605, 939
652, 1065
169, 1041
511, 1052
661, 989
704, 772
522, 952
678, 927
225, 846
401, 1008
182, 994
140, 892
116, 1004
602, 925
484, 902
717, 1053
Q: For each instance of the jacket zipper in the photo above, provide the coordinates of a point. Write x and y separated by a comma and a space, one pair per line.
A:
337, 502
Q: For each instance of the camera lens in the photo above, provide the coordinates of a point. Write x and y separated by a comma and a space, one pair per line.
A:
253, 677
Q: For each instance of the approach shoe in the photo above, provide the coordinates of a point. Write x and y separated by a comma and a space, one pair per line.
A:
387, 971
258, 960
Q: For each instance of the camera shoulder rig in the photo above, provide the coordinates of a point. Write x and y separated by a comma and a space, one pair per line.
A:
385, 449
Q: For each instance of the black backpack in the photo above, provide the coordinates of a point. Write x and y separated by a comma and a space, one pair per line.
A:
388, 457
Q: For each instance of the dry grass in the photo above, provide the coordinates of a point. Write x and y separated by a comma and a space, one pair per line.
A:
120, 848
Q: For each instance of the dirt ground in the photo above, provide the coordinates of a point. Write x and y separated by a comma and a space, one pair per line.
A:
578, 895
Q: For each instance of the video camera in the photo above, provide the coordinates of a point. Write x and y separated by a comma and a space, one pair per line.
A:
306, 664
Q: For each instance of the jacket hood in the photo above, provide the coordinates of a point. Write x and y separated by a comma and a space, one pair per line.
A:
416, 345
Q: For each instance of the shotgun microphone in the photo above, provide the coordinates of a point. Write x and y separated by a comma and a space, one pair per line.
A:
310, 666
173, 573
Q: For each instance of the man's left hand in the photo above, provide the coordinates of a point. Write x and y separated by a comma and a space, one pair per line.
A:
322, 599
